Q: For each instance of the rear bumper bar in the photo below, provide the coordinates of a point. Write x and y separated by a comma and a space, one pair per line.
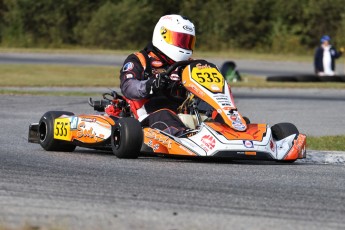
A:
33, 136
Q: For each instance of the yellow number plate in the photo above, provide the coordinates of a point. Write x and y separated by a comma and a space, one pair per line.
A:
62, 129
210, 78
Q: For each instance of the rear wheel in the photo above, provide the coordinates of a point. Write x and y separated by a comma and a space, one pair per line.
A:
46, 133
127, 138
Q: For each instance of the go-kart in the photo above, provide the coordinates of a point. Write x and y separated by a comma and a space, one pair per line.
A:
223, 134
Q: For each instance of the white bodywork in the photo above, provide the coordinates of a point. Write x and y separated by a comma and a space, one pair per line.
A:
212, 142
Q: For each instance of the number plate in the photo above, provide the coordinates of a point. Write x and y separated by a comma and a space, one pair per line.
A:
62, 129
208, 77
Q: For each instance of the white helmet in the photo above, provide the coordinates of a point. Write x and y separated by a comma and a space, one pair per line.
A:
174, 36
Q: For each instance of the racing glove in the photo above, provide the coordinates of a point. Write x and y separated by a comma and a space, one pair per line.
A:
155, 84
174, 76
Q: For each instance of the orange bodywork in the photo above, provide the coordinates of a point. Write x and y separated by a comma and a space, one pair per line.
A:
164, 144
196, 89
254, 132
298, 148
85, 131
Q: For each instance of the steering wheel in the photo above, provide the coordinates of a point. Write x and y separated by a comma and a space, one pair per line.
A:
180, 64
173, 83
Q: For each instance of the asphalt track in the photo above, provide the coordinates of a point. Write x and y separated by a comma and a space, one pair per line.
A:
87, 189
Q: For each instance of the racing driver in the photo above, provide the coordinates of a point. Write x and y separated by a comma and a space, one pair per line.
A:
142, 75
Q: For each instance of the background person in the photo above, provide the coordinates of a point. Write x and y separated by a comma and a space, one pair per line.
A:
325, 55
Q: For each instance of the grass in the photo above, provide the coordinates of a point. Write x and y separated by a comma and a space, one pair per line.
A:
58, 76
330, 143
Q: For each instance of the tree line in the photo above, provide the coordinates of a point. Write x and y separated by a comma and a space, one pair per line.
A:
278, 26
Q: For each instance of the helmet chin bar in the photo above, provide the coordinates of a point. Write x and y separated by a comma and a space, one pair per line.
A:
161, 55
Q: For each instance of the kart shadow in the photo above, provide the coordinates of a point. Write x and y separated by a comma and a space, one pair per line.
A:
183, 159
81, 150
203, 160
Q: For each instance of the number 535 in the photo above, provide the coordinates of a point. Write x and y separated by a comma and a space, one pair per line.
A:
208, 77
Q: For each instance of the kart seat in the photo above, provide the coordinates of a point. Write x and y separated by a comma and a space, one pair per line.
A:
190, 120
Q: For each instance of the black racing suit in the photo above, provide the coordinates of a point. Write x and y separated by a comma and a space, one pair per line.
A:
154, 109
318, 58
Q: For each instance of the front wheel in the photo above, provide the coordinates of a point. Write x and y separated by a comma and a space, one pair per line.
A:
127, 138
281, 131
46, 133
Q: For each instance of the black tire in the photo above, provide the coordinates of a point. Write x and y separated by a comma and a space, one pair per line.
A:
307, 78
282, 78
247, 120
46, 133
282, 130
127, 138
229, 72
342, 77
330, 79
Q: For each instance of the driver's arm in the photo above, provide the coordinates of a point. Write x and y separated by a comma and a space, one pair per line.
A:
132, 79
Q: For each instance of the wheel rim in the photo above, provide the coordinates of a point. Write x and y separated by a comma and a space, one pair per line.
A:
117, 138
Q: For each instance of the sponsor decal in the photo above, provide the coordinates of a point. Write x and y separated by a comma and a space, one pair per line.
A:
155, 147
239, 126
83, 132
272, 145
215, 88
87, 133
74, 122
200, 66
197, 90
167, 18
155, 135
157, 64
208, 142
129, 75
128, 66
233, 117
86, 119
248, 144
221, 97
188, 28
160, 70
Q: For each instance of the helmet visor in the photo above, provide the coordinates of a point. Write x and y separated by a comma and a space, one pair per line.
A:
182, 40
